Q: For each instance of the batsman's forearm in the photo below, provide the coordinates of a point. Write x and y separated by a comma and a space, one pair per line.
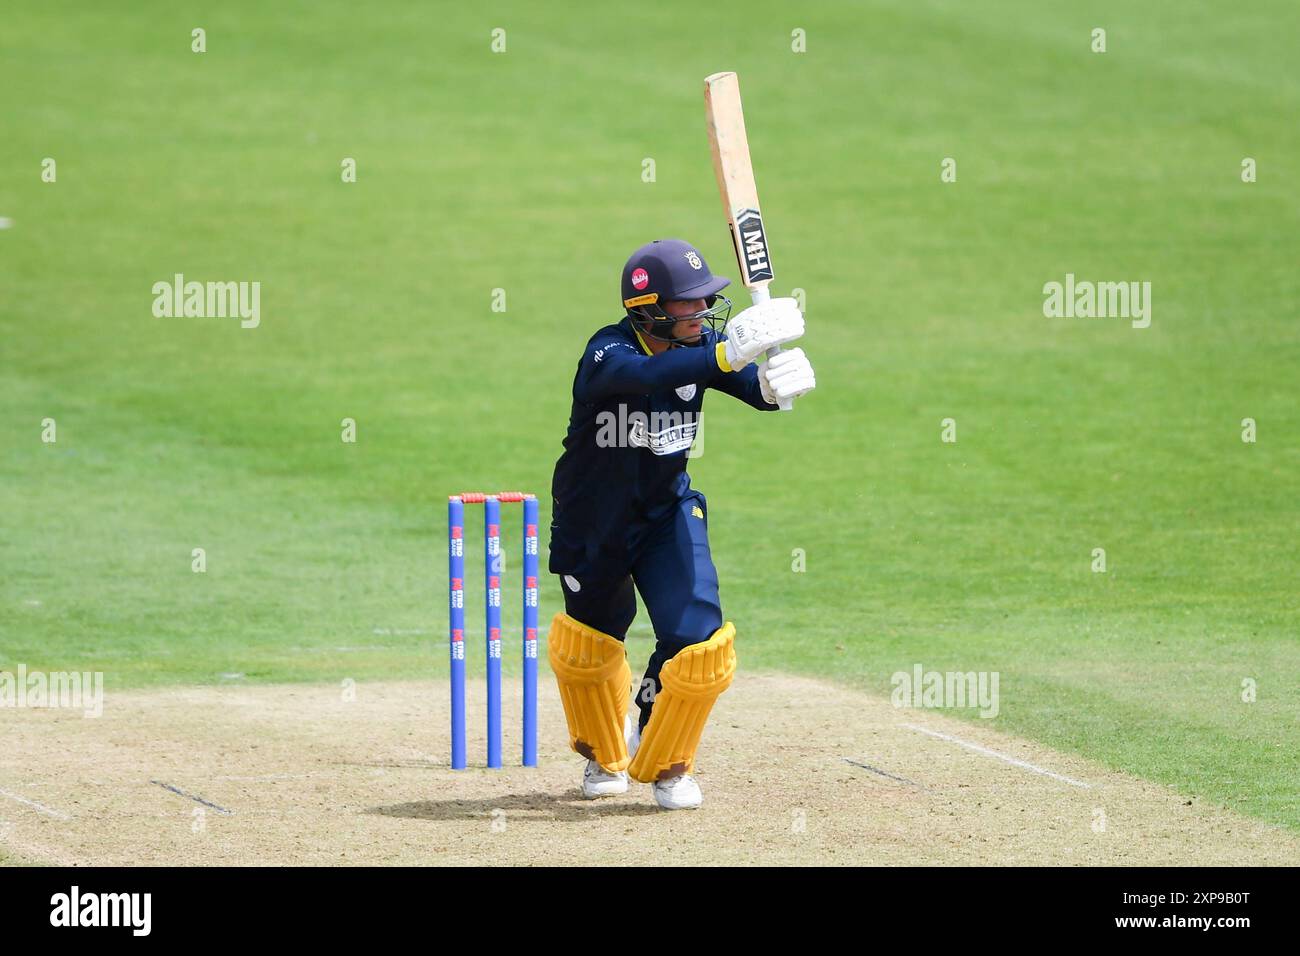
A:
643, 374
744, 386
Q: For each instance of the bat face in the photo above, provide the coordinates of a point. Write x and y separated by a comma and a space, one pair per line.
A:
735, 172
751, 246
731, 164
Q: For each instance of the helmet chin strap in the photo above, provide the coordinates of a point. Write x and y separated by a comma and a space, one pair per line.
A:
647, 324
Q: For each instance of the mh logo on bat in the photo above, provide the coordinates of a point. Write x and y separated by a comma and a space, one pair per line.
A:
749, 227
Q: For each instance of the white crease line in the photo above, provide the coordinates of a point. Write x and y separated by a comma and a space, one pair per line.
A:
993, 753
35, 806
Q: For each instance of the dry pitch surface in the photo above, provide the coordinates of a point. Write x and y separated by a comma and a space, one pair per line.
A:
299, 775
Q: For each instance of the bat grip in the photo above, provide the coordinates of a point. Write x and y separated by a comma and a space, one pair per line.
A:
758, 294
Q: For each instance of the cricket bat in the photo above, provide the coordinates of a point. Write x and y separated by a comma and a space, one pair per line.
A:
735, 172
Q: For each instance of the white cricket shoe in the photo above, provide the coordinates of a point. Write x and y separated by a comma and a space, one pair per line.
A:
599, 782
678, 793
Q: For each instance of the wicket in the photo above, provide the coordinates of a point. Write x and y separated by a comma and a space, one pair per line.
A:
492, 568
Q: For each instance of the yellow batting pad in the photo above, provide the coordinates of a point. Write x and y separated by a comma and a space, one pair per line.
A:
592, 671
695, 678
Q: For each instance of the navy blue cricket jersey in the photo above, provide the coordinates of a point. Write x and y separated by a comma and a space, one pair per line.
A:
634, 417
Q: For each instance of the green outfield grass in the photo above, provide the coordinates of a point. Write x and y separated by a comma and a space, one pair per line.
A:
522, 171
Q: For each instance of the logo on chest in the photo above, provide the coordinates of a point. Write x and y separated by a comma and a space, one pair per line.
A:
686, 392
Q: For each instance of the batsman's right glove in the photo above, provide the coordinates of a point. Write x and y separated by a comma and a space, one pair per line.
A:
786, 375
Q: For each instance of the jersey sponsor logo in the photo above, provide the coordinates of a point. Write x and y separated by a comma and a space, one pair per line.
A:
686, 392
676, 437
660, 433
640, 279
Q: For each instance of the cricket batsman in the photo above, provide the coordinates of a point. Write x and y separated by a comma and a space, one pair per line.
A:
625, 515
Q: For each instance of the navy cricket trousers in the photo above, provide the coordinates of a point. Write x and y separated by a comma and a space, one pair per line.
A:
669, 563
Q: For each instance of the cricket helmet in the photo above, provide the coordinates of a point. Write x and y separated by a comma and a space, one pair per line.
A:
666, 270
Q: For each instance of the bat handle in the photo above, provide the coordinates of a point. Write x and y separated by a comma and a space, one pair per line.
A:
757, 294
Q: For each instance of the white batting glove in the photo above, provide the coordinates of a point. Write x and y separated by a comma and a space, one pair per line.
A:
786, 375
759, 328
